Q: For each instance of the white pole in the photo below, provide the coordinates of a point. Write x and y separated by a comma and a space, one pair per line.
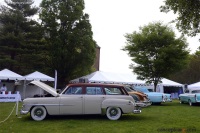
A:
55, 80
17, 102
24, 89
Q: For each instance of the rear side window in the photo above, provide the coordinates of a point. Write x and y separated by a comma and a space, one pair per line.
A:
94, 91
113, 91
75, 90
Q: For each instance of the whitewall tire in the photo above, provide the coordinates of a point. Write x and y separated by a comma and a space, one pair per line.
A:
113, 113
38, 113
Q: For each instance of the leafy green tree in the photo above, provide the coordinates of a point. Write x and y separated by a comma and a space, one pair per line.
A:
190, 74
188, 20
156, 51
21, 40
70, 38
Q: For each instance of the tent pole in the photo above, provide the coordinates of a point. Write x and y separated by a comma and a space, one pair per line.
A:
55, 81
24, 89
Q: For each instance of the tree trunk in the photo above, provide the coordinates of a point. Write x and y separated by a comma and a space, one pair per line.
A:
155, 85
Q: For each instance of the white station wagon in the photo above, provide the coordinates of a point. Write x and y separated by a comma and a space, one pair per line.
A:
81, 98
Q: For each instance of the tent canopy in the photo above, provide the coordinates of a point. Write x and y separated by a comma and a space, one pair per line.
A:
108, 77
194, 85
130, 78
38, 76
7, 74
167, 82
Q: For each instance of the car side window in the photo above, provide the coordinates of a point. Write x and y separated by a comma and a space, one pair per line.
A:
196, 91
113, 91
94, 91
74, 90
186, 91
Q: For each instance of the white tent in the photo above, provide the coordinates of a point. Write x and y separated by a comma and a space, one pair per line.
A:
194, 85
167, 85
171, 87
167, 82
108, 77
130, 78
38, 76
32, 90
7, 74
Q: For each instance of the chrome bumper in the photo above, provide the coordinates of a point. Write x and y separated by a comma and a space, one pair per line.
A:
22, 112
167, 100
148, 103
137, 110
140, 104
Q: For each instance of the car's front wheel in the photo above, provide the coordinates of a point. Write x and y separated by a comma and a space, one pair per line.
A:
113, 113
38, 113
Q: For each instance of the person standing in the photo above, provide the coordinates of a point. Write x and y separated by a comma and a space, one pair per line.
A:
3, 88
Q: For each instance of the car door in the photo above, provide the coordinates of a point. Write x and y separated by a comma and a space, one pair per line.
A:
71, 101
93, 100
185, 96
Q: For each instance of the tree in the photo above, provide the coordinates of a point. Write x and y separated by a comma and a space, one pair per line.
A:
156, 52
69, 37
20, 37
190, 74
188, 20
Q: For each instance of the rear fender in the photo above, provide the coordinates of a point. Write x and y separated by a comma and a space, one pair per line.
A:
126, 106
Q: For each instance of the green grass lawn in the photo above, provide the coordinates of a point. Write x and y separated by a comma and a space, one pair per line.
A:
167, 117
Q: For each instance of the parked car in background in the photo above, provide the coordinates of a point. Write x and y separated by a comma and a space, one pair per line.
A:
140, 98
79, 99
190, 96
155, 97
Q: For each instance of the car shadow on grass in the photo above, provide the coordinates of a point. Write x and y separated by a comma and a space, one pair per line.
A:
124, 117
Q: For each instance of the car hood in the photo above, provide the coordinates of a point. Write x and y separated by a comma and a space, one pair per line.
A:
137, 93
45, 87
154, 93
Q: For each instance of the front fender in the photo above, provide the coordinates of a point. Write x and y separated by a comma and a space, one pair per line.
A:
126, 106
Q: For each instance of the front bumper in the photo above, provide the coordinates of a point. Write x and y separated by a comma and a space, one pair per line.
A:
22, 112
140, 104
148, 103
137, 110
167, 100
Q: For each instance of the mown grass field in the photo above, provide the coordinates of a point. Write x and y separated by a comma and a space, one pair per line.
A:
168, 117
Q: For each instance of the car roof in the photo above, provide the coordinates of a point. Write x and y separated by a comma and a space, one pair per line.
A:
95, 84
193, 89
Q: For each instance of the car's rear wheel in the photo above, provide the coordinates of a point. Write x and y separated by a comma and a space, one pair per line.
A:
113, 113
38, 113
190, 102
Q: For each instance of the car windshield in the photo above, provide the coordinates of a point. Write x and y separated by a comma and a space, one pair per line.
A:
128, 89
196, 91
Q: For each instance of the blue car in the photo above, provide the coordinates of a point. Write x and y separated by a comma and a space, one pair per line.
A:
155, 97
190, 96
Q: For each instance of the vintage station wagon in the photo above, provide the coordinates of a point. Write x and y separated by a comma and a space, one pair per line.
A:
79, 99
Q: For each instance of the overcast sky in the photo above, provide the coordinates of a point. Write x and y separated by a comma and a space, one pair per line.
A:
112, 19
